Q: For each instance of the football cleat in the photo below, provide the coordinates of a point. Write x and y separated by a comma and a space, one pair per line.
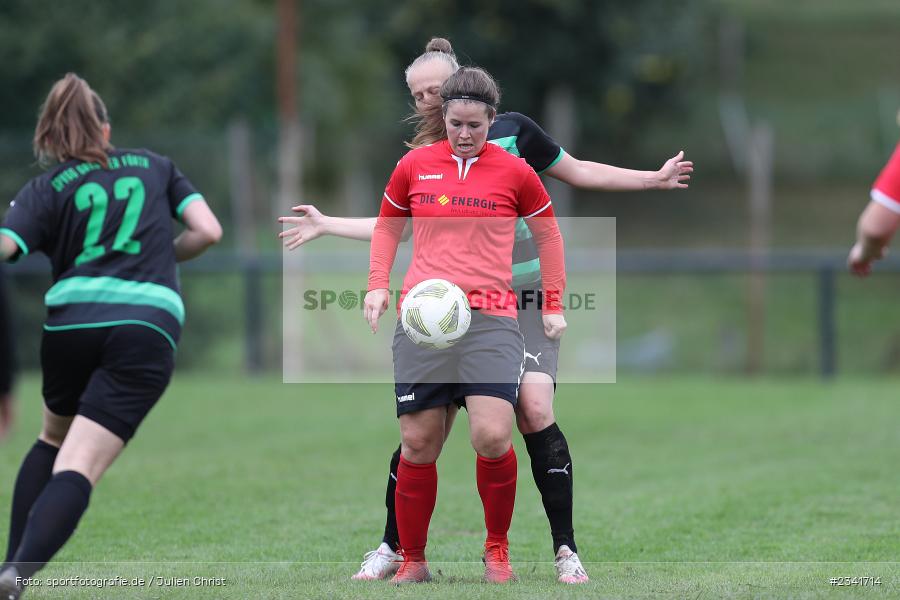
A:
10, 588
496, 563
412, 572
378, 564
568, 567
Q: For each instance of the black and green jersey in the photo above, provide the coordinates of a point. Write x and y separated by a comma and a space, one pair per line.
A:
522, 137
108, 233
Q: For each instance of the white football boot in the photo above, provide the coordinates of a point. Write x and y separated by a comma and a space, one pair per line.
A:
568, 567
10, 584
379, 564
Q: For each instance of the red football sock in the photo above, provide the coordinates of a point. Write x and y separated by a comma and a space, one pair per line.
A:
497, 488
414, 499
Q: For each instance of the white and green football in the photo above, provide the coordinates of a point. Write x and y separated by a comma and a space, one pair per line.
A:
435, 314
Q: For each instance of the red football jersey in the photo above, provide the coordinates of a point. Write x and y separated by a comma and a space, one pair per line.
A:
449, 198
886, 190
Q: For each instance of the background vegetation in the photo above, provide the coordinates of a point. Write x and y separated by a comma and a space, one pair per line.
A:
646, 77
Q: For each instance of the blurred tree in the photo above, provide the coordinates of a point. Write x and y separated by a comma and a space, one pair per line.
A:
618, 57
351, 96
170, 64
156, 64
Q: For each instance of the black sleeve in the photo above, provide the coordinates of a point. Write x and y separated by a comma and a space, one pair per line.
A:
180, 190
7, 356
534, 145
27, 221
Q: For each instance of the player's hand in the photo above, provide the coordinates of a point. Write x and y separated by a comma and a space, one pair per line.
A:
675, 172
374, 305
7, 416
860, 261
554, 326
305, 228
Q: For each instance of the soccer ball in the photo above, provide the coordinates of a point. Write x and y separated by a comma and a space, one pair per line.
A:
435, 314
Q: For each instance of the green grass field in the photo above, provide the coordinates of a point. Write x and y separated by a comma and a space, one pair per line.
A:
685, 488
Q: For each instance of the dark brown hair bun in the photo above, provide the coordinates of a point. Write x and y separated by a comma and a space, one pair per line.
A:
439, 44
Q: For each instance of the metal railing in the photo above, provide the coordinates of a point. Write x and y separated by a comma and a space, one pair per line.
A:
825, 265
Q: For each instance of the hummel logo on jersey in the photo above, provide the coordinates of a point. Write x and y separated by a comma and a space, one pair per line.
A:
564, 470
443, 200
427, 177
534, 358
406, 398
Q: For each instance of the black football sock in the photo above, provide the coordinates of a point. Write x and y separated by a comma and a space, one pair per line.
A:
52, 521
551, 466
391, 537
35, 472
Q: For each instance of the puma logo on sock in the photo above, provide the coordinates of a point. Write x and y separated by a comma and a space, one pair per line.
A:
563, 470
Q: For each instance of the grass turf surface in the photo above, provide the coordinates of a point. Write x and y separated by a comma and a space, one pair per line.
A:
685, 488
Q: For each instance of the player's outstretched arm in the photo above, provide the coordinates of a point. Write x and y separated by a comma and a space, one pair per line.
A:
314, 224
674, 174
877, 225
202, 230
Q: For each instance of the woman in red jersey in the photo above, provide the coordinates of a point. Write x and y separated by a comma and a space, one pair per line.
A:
465, 236
879, 221
548, 451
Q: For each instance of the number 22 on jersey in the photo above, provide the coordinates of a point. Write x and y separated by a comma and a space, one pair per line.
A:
93, 196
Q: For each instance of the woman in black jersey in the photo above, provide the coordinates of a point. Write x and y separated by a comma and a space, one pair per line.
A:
548, 450
114, 312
